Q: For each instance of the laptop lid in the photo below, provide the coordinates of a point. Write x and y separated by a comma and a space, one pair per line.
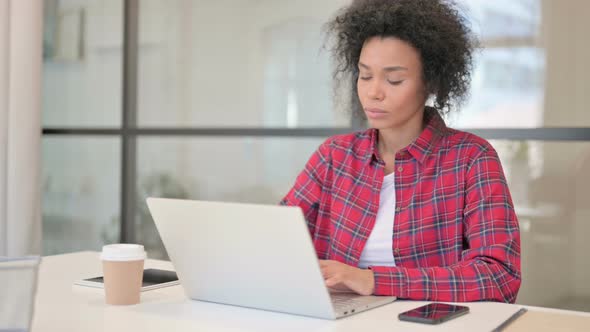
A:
18, 286
257, 256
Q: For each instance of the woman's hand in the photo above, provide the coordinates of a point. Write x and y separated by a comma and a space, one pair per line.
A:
340, 276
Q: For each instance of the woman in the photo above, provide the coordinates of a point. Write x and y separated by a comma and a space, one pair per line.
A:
409, 208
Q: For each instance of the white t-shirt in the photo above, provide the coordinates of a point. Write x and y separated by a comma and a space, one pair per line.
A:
378, 250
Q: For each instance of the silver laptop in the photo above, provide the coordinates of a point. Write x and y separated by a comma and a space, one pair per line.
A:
18, 287
256, 256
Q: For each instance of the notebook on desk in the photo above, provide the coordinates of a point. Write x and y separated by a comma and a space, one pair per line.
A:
256, 256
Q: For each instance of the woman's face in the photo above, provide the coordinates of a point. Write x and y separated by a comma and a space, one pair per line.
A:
390, 85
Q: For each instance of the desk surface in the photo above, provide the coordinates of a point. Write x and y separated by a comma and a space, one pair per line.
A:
62, 306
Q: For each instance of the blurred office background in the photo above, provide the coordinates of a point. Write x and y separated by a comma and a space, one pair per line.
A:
226, 100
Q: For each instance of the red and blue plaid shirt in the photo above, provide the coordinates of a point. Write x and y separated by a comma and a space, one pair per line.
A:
455, 233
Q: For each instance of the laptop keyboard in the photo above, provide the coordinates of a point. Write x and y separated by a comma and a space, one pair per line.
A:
350, 301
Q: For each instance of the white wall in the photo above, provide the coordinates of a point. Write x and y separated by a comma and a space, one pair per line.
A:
568, 51
21, 26
555, 247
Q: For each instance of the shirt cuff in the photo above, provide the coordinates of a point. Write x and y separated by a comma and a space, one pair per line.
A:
390, 281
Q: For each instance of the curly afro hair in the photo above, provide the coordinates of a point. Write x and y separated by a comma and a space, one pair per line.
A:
435, 28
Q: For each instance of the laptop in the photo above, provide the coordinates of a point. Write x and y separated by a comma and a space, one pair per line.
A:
255, 256
18, 287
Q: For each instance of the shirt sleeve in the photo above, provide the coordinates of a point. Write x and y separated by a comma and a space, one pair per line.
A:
489, 269
306, 192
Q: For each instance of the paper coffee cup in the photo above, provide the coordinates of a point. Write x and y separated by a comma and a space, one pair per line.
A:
122, 266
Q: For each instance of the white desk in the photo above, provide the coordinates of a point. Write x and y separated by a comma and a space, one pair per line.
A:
61, 306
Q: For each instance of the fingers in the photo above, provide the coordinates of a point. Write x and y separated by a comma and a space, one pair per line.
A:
336, 284
327, 272
333, 281
336, 275
340, 276
328, 268
333, 276
324, 263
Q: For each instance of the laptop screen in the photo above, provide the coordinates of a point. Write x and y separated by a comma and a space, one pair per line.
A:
18, 285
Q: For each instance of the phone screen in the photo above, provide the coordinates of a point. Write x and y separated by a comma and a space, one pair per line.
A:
434, 313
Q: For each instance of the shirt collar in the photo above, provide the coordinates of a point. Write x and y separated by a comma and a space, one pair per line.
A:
422, 146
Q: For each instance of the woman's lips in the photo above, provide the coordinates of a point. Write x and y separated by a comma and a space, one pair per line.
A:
375, 113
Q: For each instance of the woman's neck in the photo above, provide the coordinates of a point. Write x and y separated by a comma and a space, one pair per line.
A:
392, 140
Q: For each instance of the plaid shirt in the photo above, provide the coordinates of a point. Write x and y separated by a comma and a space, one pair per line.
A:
455, 234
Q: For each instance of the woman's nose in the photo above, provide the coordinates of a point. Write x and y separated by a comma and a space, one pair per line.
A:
375, 91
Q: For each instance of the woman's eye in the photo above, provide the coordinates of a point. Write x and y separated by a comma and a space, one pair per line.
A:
395, 82
365, 78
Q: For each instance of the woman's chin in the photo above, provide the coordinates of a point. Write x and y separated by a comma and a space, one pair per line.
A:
377, 124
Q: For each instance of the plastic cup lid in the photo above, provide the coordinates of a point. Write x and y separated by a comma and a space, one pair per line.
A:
122, 252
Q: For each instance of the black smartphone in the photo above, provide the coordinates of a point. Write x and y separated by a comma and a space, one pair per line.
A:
152, 279
434, 313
